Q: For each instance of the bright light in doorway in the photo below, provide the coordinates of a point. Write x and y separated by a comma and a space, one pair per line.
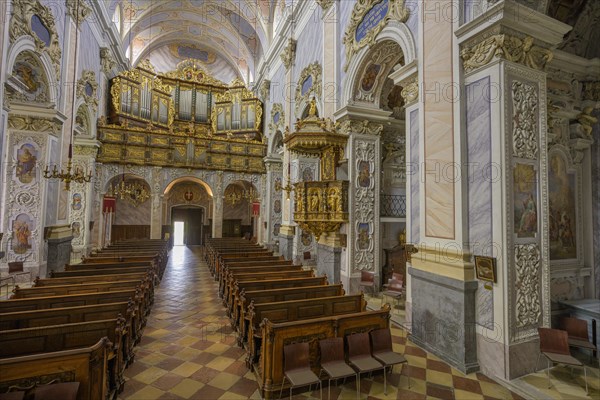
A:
178, 238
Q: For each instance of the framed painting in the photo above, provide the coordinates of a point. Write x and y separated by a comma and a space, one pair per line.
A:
485, 268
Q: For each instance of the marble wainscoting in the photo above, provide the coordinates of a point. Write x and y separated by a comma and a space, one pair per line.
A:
415, 177
59, 248
479, 156
329, 262
443, 318
286, 245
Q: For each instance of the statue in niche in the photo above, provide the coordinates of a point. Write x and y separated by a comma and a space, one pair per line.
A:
335, 205
314, 202
312, 110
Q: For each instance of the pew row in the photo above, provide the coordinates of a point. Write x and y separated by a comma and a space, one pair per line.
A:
274, 336
47, 339
86, 365
275, 295
230, 272
295, 310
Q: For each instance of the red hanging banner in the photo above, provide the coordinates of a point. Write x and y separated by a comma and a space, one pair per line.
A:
256, 208
109, 204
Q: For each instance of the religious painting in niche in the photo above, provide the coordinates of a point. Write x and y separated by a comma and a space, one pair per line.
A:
22, 227
276, 117
364, 174
371, 19
364, 236
277, 206
368, 81
27, 156
40, 30
525, 201
306, 238
76, 202
307, 175
76, 228
276, 229
30, 75
562, 210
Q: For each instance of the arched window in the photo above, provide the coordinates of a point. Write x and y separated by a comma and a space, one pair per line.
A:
117, 18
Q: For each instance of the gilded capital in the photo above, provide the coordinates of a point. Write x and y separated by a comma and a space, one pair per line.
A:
289, 54
410, 90
503, 46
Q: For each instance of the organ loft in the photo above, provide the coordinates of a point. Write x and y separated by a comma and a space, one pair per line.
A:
242, 199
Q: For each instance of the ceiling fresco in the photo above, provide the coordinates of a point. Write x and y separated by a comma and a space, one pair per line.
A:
235, 33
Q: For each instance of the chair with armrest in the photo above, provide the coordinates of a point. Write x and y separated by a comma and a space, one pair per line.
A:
296, 367
381, 342
360, 358
333, 361
554, 345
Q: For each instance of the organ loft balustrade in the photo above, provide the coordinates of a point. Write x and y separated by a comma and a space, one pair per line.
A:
184, 118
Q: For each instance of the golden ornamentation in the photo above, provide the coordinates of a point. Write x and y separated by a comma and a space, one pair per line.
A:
325, 4
265, 89
288, 56
410, 90
20, 24
136, 192
277, 108
35, 124
106, 60
510, 48
315, 71
147, 65
88, 78
396, 11
364, 127
189, 70
84, 10
321, 206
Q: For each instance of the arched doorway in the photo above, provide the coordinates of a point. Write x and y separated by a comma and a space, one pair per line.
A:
238, 218
187, 212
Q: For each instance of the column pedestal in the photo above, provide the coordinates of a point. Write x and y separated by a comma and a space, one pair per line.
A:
329, 257
59, 249
286, 241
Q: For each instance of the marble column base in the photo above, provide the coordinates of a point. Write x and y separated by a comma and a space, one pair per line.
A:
443, 318
286, 246
329, 262
59, 248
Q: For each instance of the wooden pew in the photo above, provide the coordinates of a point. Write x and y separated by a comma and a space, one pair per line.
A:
240, 252
86, 365
263, 255
71, 315
124, 267
295, 310
261, 276
269, 370
229, 273
61, 290
47, 339
74, 280
271, 284
274, 295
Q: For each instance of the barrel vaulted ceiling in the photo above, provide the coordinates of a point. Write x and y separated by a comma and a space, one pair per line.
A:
228, 37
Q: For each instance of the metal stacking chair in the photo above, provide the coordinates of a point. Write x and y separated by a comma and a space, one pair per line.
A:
577, 329
381, 340
333, 361
360, 358
554, 345
367, 280
296, 368
395, 290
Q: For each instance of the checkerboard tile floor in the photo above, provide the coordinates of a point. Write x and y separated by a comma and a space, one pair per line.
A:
189, 351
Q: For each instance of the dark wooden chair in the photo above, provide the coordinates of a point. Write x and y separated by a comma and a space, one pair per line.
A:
62, 391
333, 361
395, 289
367, 280
360, 358
554, 345
381, 343
296, 368
577, 329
